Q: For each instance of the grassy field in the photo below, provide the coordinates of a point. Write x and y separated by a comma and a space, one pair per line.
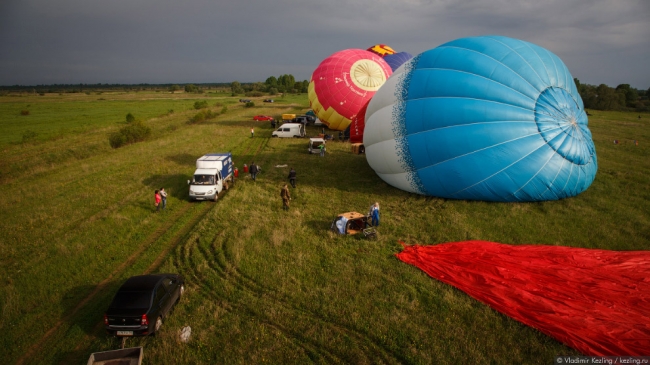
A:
263, 285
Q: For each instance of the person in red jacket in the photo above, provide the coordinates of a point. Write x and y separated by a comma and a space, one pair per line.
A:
158, 199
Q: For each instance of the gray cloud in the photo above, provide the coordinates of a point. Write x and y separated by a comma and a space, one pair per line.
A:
168, 41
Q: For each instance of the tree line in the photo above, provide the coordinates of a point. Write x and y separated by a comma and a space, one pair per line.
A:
601, 97
622, 97
272, 86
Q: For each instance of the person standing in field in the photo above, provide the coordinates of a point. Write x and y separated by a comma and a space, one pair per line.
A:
158, 199
292, 177
286, 197
253, 170
374, 214
252, 132
163, 197
322, 149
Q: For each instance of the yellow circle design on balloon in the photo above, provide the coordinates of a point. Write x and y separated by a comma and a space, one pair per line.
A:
367, 75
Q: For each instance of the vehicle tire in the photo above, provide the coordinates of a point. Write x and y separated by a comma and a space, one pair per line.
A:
216, 196
362, 150
274, 136
159, 323
225, 185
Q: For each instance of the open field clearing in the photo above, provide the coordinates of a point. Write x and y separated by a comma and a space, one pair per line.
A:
263, 285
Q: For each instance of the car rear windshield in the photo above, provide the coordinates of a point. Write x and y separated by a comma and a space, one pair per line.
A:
131, 300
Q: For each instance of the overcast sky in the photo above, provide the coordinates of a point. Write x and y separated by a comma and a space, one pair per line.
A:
201, 41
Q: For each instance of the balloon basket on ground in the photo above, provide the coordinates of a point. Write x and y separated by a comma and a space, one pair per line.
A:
358, 148
354, 223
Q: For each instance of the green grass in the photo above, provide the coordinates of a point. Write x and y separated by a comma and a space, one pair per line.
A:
264, 285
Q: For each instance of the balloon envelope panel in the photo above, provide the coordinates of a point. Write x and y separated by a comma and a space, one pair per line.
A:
381, 49
482, 118
358, 124
343, 83
397, 59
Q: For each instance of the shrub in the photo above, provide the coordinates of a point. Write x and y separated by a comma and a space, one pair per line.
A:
250, 104
135, 132
254, 93
24, 112
200, 104
130, 118
224, 109
202, 116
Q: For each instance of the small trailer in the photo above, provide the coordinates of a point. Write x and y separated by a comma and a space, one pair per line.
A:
130, 356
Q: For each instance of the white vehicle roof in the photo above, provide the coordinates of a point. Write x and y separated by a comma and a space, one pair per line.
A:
317, 140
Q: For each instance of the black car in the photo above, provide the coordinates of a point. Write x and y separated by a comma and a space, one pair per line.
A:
142, 303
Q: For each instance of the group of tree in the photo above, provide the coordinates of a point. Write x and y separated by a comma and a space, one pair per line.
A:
622, 97
272, 86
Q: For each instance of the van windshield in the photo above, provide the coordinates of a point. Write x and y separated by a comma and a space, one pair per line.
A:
203, 180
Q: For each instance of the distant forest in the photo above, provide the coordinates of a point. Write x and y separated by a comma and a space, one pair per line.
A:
601, 97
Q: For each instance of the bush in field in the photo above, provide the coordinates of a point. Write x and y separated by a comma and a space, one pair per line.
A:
250, 104
202, 116
24, 112
135, 132
224, 109
130, 118
254, 93
200, 104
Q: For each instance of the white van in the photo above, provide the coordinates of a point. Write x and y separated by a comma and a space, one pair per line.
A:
290, 130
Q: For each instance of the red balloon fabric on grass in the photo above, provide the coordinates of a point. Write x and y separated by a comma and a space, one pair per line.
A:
596, 301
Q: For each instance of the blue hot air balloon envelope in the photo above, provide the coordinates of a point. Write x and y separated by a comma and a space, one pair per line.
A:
482, 118
397, 59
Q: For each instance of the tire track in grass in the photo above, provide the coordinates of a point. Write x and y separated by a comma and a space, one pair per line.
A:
222, 266
253, 286
153, 237
190, 257
176, 239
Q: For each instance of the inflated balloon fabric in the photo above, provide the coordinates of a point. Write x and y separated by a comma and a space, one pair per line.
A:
596, 301
343, 83
358, 124
382, 50
397, 59
484, 118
